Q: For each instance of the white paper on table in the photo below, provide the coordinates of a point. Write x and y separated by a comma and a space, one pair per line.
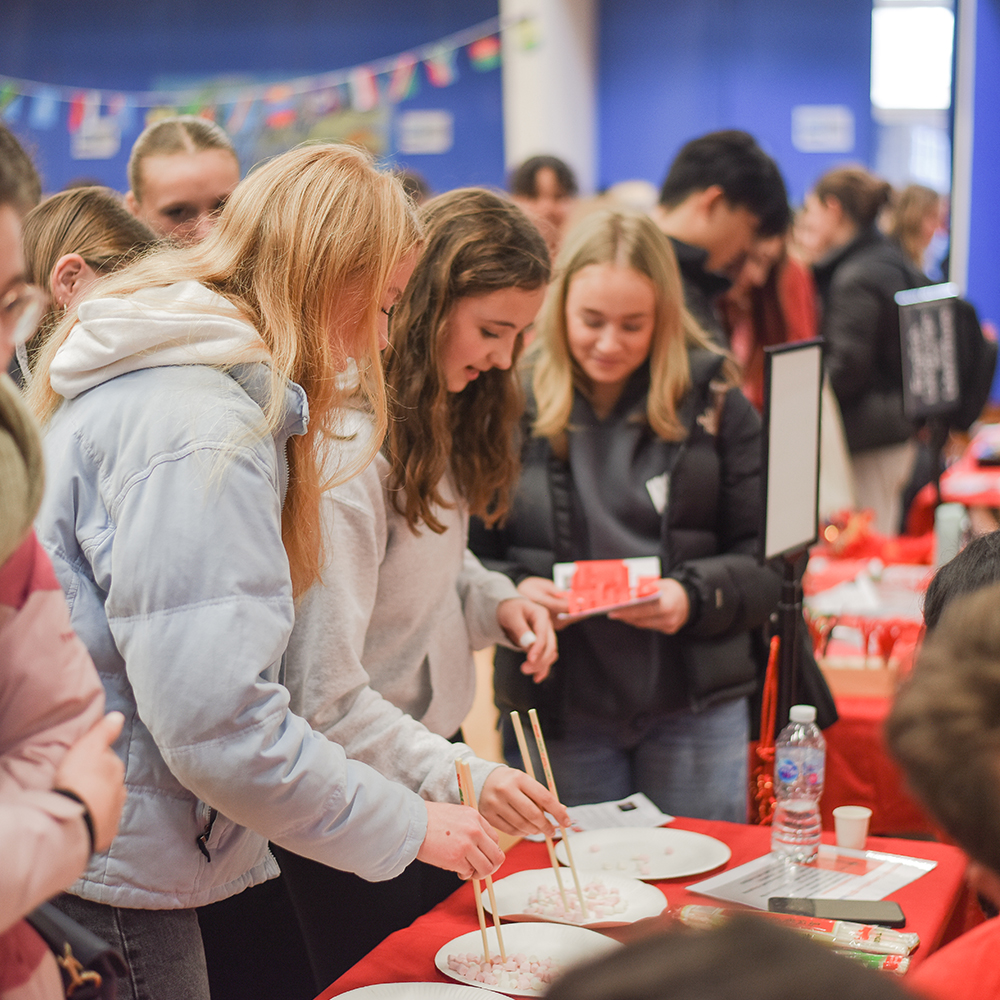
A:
636, 810
838, 874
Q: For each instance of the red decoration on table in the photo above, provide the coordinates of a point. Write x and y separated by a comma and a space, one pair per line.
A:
762, 772
900, 635
849, 535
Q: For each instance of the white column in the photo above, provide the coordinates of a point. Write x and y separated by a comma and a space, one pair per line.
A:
549, 87
964, 89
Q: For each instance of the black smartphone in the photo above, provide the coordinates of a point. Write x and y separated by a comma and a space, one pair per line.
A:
883, 912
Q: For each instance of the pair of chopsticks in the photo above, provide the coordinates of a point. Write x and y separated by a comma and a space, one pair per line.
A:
547, 767
467, 792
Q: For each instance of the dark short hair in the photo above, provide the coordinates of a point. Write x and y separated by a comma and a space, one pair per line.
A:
20, 185
748, 958
944, 727
731, 159
523, 180
976, 566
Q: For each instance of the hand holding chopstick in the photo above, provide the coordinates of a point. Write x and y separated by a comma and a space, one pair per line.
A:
467, 791
536, 728
529, 768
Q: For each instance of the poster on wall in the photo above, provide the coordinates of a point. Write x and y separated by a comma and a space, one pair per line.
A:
96, 139
823, 128
425, 131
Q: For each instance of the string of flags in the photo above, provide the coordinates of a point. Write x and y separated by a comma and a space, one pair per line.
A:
240, 107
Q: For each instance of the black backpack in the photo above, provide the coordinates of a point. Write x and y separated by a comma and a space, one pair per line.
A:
977, 361
935, 313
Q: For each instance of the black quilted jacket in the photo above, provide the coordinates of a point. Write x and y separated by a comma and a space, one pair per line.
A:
708, 541
857, 284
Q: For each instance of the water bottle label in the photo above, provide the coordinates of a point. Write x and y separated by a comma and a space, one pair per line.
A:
813, 768
788, 770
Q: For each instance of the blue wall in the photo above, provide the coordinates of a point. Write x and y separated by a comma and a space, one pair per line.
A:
984, 238
670, 70
122, 44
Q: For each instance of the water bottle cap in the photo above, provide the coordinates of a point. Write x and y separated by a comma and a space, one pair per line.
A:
802, 713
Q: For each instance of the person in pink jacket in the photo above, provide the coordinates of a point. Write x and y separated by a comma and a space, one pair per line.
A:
61, 787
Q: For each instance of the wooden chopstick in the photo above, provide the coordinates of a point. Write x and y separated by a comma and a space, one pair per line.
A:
467, 791
529, 769
536, 728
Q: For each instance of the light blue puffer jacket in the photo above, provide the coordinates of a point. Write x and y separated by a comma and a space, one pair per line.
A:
162, 518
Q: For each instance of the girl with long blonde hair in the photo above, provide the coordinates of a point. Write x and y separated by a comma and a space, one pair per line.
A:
639, 445
403, 604
186, 400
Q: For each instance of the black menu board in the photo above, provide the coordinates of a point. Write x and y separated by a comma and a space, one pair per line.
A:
930, 350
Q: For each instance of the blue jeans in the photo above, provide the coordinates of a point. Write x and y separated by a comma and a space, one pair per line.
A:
688, 764
162, 948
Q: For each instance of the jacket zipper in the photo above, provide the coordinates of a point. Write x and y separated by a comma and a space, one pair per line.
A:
202, 839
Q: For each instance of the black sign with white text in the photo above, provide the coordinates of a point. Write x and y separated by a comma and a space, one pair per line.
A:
931, 383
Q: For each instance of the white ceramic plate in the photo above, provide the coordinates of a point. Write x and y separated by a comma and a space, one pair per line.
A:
514, 892
413, 991
653, 853
566, 946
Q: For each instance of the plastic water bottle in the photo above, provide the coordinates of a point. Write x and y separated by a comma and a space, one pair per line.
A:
951, 523
799, 765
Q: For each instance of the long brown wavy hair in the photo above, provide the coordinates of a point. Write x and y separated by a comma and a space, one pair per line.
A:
476, 242
304, 249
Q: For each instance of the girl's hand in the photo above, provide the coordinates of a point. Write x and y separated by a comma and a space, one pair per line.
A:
459, 840
516, 804
96, 773
525, 620
544, 592
668, 614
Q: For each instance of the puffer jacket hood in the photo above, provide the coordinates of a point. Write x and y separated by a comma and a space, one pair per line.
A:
180, 324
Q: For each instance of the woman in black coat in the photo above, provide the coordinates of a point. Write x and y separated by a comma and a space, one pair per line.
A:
858, 272
639, 444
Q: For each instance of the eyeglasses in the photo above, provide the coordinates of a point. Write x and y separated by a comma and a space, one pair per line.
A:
20, 310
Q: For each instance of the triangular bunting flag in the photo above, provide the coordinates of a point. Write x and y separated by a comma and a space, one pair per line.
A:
484, 53
403, 79
440, 67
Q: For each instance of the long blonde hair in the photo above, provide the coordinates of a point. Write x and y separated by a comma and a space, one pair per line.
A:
477, 243
623, 239
914, 204
89, 221
304, 250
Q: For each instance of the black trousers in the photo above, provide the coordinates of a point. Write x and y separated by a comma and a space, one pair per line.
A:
343, 917
254, 947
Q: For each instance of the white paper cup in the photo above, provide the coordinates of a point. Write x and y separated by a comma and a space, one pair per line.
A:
851, 823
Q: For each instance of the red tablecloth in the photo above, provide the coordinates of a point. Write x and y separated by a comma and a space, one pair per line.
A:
860, 772
937, 905
968, 482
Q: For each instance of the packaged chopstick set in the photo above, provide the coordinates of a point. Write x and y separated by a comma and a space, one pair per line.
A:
842, 934
896, 964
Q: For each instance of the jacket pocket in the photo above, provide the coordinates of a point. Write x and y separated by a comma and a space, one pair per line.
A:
207, 815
